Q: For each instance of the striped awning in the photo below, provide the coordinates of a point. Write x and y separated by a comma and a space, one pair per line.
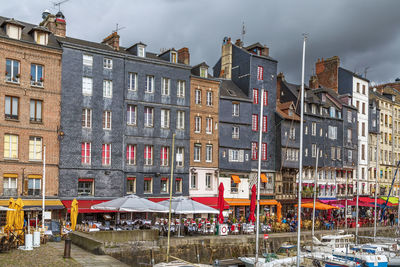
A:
235, 179
238, 201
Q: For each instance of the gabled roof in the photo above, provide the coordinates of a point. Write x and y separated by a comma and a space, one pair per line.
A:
354, 74
228, 89
13, 21
202, 64
282, 109
254, 46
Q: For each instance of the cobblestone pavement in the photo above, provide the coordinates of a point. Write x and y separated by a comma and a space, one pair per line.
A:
45, 255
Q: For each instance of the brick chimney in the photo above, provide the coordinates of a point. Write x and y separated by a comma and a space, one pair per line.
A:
327, 72
112, 40
265, 52
239, 43
279, 79
184, 56
226, 59
313, 82
55, 23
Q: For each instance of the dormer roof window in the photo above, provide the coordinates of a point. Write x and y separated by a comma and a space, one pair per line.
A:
13, 28
141, 51
40, 35
174, 57
203, 72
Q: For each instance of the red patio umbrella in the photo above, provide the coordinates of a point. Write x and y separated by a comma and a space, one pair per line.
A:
221, 202
253, 203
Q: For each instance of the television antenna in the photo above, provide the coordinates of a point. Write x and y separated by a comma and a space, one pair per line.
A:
55, 4
243, 31
117, 27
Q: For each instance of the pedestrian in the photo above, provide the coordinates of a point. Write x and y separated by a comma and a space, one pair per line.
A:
391, 217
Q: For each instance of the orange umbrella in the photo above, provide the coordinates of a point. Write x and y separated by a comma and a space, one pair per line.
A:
318, 206
279, 211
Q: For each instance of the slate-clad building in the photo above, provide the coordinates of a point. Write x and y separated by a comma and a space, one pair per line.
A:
120, 108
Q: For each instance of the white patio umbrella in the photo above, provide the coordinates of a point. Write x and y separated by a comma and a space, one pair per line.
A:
4, 208
131, 203
184, 205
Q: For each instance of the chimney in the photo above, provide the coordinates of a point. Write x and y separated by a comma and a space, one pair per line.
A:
327, 72
55, 23
184, 56
226, 59
313, 82
112, 40
279, 79
265, 52
239, 43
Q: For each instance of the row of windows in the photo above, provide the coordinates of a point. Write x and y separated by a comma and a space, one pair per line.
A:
198, 100
197, 152
333, 112
254, 151
10, 185
209, 125
335, 153
13, 73
12, 109
194, 181
256, 98
11, 144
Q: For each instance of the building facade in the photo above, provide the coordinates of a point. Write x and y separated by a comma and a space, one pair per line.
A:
204, 121
30, 94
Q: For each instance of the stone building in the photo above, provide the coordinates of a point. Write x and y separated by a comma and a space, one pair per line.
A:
30, 94
204, 105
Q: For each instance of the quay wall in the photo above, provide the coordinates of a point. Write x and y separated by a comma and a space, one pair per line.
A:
145, 247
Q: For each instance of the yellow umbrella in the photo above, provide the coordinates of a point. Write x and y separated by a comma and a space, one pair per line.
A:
74, 213
10, 215
19, 216
279, 211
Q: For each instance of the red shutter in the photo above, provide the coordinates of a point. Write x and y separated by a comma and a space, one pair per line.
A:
128, 147
264, 151
254, 122
265, 100
130, 178
260, 73
254, 150
83, 153
255, 96
265, 124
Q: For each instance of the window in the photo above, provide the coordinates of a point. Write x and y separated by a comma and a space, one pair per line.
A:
193, 181
131, 115
131, 185
209, 99
255, 96
306, 152
363, 128
333, 150
14, 31
349, 115
349, 155
164, 185
10, 146
165, 86
332, 132
107, 63
209, 151
363, 152
180, 155
9, 186
149, 84
107, 88
203, 72
86, 152
178, 185
148, 155
106, 155
358, 106
180, 120
292, 133
234, 186
265, 124
11, 107
197, 124
235, 109
233, 155
141, 51
260, 73
208, 180
86, 117
314, 129
87, 85
148, 185
148, 116
106, 120
173, 57
320, 131
34, 186
254, 122
305, 130
363, 89
197, 152
164, 118
363, 108
358, 87
12, 71
133, 83
313, 109
87, 60
313, 150
181, 89
197, 94
131, 154
164, 156
254, 149
35, 110
332, 112
349, 135
85, 187
265, 98
338, 153
37, 75
209, 125
264, 151
235, 132
35, 148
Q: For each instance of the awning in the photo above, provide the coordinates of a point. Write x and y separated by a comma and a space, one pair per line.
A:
318, 206
84, 206
235, 179
211, 202
264, 178
238, 201
268, 202
157, 199
36, 204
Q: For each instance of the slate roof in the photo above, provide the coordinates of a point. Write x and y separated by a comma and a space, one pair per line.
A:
282, 107
354, 74
26, 35
228, 89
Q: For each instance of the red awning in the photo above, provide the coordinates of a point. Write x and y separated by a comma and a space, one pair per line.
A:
210, 201
157, 199
84, 206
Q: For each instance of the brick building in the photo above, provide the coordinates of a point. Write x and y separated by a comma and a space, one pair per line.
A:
30, 91
204, 106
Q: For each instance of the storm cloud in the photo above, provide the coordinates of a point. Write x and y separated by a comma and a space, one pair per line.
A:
365, 34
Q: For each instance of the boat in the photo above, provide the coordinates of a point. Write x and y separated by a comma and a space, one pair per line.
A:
386, 249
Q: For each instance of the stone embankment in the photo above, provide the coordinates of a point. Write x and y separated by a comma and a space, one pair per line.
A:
145, 247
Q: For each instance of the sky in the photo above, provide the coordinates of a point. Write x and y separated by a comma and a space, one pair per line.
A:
365, 34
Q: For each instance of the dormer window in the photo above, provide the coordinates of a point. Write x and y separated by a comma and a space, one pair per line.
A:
41, 37
141, 51
203, 72
174, 57
14, 31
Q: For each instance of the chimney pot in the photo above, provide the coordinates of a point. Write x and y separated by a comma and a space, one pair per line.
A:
184, 56
112, 40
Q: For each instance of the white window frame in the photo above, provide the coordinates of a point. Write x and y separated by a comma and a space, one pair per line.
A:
10, 184
107, 63
197, 94
107, 120
235, 132
149, 84
209, 151
107, 88
87, 60
133, 81
233, 155
107, 160
148, 117
37, 155
193, 181
86, 118
209, 101
197, 153
209, 125
332, 132
87, 160
313, 128
165, 115
235, 109
37, 81
133, 181
12, 77
313, 150
87, 86
129, 159
151, 185
165, 86
164, 162
197, 124
131, 120
180, 157
148, 161
209, 180
181, 89
180, 120
10, 150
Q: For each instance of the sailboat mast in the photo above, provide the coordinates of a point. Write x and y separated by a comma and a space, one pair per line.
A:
315, 193
376, 181
301, 153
